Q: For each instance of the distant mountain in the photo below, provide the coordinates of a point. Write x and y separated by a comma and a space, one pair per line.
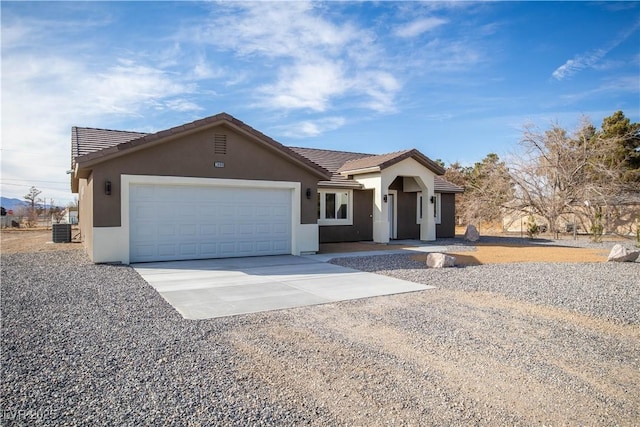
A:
8, 203
12, 203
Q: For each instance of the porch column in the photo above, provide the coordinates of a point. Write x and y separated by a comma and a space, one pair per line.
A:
428, 224
380, 208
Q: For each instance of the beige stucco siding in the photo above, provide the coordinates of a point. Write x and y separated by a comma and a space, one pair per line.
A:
85, 213
194, 156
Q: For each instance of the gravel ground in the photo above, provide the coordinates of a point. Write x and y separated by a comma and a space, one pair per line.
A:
608, 290
581, 242
86, 344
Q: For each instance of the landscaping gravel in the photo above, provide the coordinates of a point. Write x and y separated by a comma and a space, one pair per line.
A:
608, 290
86, 344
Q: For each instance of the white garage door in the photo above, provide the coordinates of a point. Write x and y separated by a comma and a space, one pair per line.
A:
174, 222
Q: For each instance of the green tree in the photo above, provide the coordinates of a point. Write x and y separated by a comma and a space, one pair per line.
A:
625, 138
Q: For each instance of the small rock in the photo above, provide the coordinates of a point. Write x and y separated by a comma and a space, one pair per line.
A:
621, 254
438, 260
471, 234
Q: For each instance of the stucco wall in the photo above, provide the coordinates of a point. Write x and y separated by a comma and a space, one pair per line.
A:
362, 228
447, 226
193, 156
85, 213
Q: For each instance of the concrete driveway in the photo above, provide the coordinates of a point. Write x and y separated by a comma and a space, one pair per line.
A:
203, 289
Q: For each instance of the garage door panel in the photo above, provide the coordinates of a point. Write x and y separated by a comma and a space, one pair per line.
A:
209, 250
227, 229
280, 245
165, 250
208, 230
143, 251
187, 230
188, 222
188, 249
280, 229
167, 231
208, 210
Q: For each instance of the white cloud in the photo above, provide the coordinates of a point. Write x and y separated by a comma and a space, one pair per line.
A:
381, 88
444, 56
618, 84
419, 26
592, 58
306, 86
45, 94
438, 117
276, 29
129, 87
309, 60
310, 128
183, 105
578, 63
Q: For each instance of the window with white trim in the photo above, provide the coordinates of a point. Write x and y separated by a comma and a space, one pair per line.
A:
335, 207
437, 209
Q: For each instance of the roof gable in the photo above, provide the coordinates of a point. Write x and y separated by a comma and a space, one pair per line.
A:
339, 163
383, 161
92, 146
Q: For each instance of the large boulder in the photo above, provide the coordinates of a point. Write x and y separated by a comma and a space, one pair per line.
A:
471, 234
438, 260
621, 254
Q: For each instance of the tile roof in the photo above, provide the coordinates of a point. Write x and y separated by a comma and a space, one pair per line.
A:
89, 144
89, 140
442, 186
331, 161
338, 161
371, 161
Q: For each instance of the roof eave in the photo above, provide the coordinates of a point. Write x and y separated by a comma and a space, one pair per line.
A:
372, 169
448, 191
151, 140
334, 184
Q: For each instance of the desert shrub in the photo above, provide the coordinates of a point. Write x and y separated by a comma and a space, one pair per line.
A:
532, 227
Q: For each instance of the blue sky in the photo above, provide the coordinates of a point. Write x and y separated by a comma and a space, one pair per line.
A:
456, 80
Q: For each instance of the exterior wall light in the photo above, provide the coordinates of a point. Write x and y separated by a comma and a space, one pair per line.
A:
384, 198
308, 193
107, 187
432, 199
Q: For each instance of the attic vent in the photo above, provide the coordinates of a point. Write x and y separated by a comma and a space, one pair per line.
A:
219, 144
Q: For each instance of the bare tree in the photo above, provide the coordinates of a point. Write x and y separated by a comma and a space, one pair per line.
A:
57, 212
457, 174
32, 198
487, 186
557, 172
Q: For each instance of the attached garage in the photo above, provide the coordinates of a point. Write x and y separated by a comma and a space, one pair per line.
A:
213, 188
175, 222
